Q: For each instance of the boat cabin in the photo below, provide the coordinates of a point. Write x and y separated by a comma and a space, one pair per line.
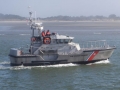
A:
60, 39
53, 38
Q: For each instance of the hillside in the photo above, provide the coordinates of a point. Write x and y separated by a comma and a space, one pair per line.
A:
113, 17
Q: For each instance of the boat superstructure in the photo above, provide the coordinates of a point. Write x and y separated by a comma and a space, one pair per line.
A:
52, 48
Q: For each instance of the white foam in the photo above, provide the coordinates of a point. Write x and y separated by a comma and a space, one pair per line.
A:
3, 67
46, 66
5, 62
20, 67
59, 65
100, 62
6, 65
103, 62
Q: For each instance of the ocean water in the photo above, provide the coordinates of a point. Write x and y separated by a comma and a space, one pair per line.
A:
103, 75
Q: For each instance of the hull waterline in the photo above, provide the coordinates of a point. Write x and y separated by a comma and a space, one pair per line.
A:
88, 56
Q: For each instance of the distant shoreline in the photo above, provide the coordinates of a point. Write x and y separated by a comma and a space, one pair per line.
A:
60, 21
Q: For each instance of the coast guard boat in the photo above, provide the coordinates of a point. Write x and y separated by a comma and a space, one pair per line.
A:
52, 48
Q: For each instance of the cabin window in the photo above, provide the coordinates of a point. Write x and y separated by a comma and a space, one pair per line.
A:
66, 40
57, 40
54, 41
49, 51
61, 41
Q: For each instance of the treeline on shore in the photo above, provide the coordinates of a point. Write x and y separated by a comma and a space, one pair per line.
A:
4, 17
81, 18
62, 18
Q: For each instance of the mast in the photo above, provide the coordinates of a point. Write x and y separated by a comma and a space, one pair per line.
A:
35, 25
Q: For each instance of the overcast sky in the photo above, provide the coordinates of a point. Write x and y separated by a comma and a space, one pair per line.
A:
47, 8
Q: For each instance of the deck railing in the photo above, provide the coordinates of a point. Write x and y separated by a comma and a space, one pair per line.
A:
94, 44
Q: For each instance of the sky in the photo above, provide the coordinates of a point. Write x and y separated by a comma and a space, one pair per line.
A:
48, 8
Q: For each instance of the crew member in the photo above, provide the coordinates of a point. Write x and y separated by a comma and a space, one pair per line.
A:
43, 33
48, 33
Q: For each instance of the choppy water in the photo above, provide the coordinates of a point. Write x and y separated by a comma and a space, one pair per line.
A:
103, 75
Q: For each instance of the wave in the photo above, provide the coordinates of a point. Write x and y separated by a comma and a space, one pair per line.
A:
96, 33
101, 62
60, 65
24, 34
20, 67
46, 66
2, 34
6, 65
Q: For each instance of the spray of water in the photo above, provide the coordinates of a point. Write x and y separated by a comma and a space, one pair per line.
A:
100, 62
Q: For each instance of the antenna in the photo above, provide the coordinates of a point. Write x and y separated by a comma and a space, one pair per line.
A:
30, 18
35, 16
34, 25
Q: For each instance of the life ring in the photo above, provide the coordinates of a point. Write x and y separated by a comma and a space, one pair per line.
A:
46, 40
33, 39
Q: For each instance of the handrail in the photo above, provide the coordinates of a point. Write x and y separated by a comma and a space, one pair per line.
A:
94, 44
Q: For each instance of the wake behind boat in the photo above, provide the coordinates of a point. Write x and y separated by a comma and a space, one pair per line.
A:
52, 48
